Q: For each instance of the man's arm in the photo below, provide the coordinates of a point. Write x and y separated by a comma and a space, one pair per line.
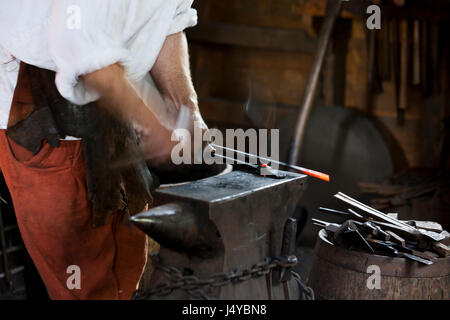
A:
120, 98
172, 75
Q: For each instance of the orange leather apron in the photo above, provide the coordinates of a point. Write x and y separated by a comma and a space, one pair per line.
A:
55, 219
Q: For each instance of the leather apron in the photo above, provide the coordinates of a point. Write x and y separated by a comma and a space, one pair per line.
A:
105, 139
56, 190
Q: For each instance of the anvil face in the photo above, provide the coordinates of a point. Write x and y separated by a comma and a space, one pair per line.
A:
240, 214
228, 187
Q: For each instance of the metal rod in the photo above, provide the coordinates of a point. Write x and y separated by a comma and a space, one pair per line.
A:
319, 225
356, 214
371, 211
316, 174
333, 10
321, 222
341, 213
236, 160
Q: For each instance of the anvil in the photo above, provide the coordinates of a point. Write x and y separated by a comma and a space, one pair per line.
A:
220, 224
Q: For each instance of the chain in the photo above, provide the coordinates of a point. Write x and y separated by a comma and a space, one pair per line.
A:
196, 287
306, 293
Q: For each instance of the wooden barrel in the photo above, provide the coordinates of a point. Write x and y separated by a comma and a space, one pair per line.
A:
341, 274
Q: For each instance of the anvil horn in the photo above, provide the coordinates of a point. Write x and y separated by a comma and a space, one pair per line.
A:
177, 226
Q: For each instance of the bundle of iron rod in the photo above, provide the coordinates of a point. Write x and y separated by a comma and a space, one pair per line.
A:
365, 228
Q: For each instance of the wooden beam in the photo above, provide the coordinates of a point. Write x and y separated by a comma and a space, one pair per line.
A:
278, 39
355, 9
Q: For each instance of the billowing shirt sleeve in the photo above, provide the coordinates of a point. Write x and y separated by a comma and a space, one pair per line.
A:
81, 41
185, 17
88, 35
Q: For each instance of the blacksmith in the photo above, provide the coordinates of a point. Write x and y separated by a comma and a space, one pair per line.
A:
84, 84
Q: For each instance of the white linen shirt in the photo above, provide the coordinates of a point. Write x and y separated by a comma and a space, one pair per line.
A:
76, 37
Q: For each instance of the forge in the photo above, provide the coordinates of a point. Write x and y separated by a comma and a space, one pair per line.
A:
222, 233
